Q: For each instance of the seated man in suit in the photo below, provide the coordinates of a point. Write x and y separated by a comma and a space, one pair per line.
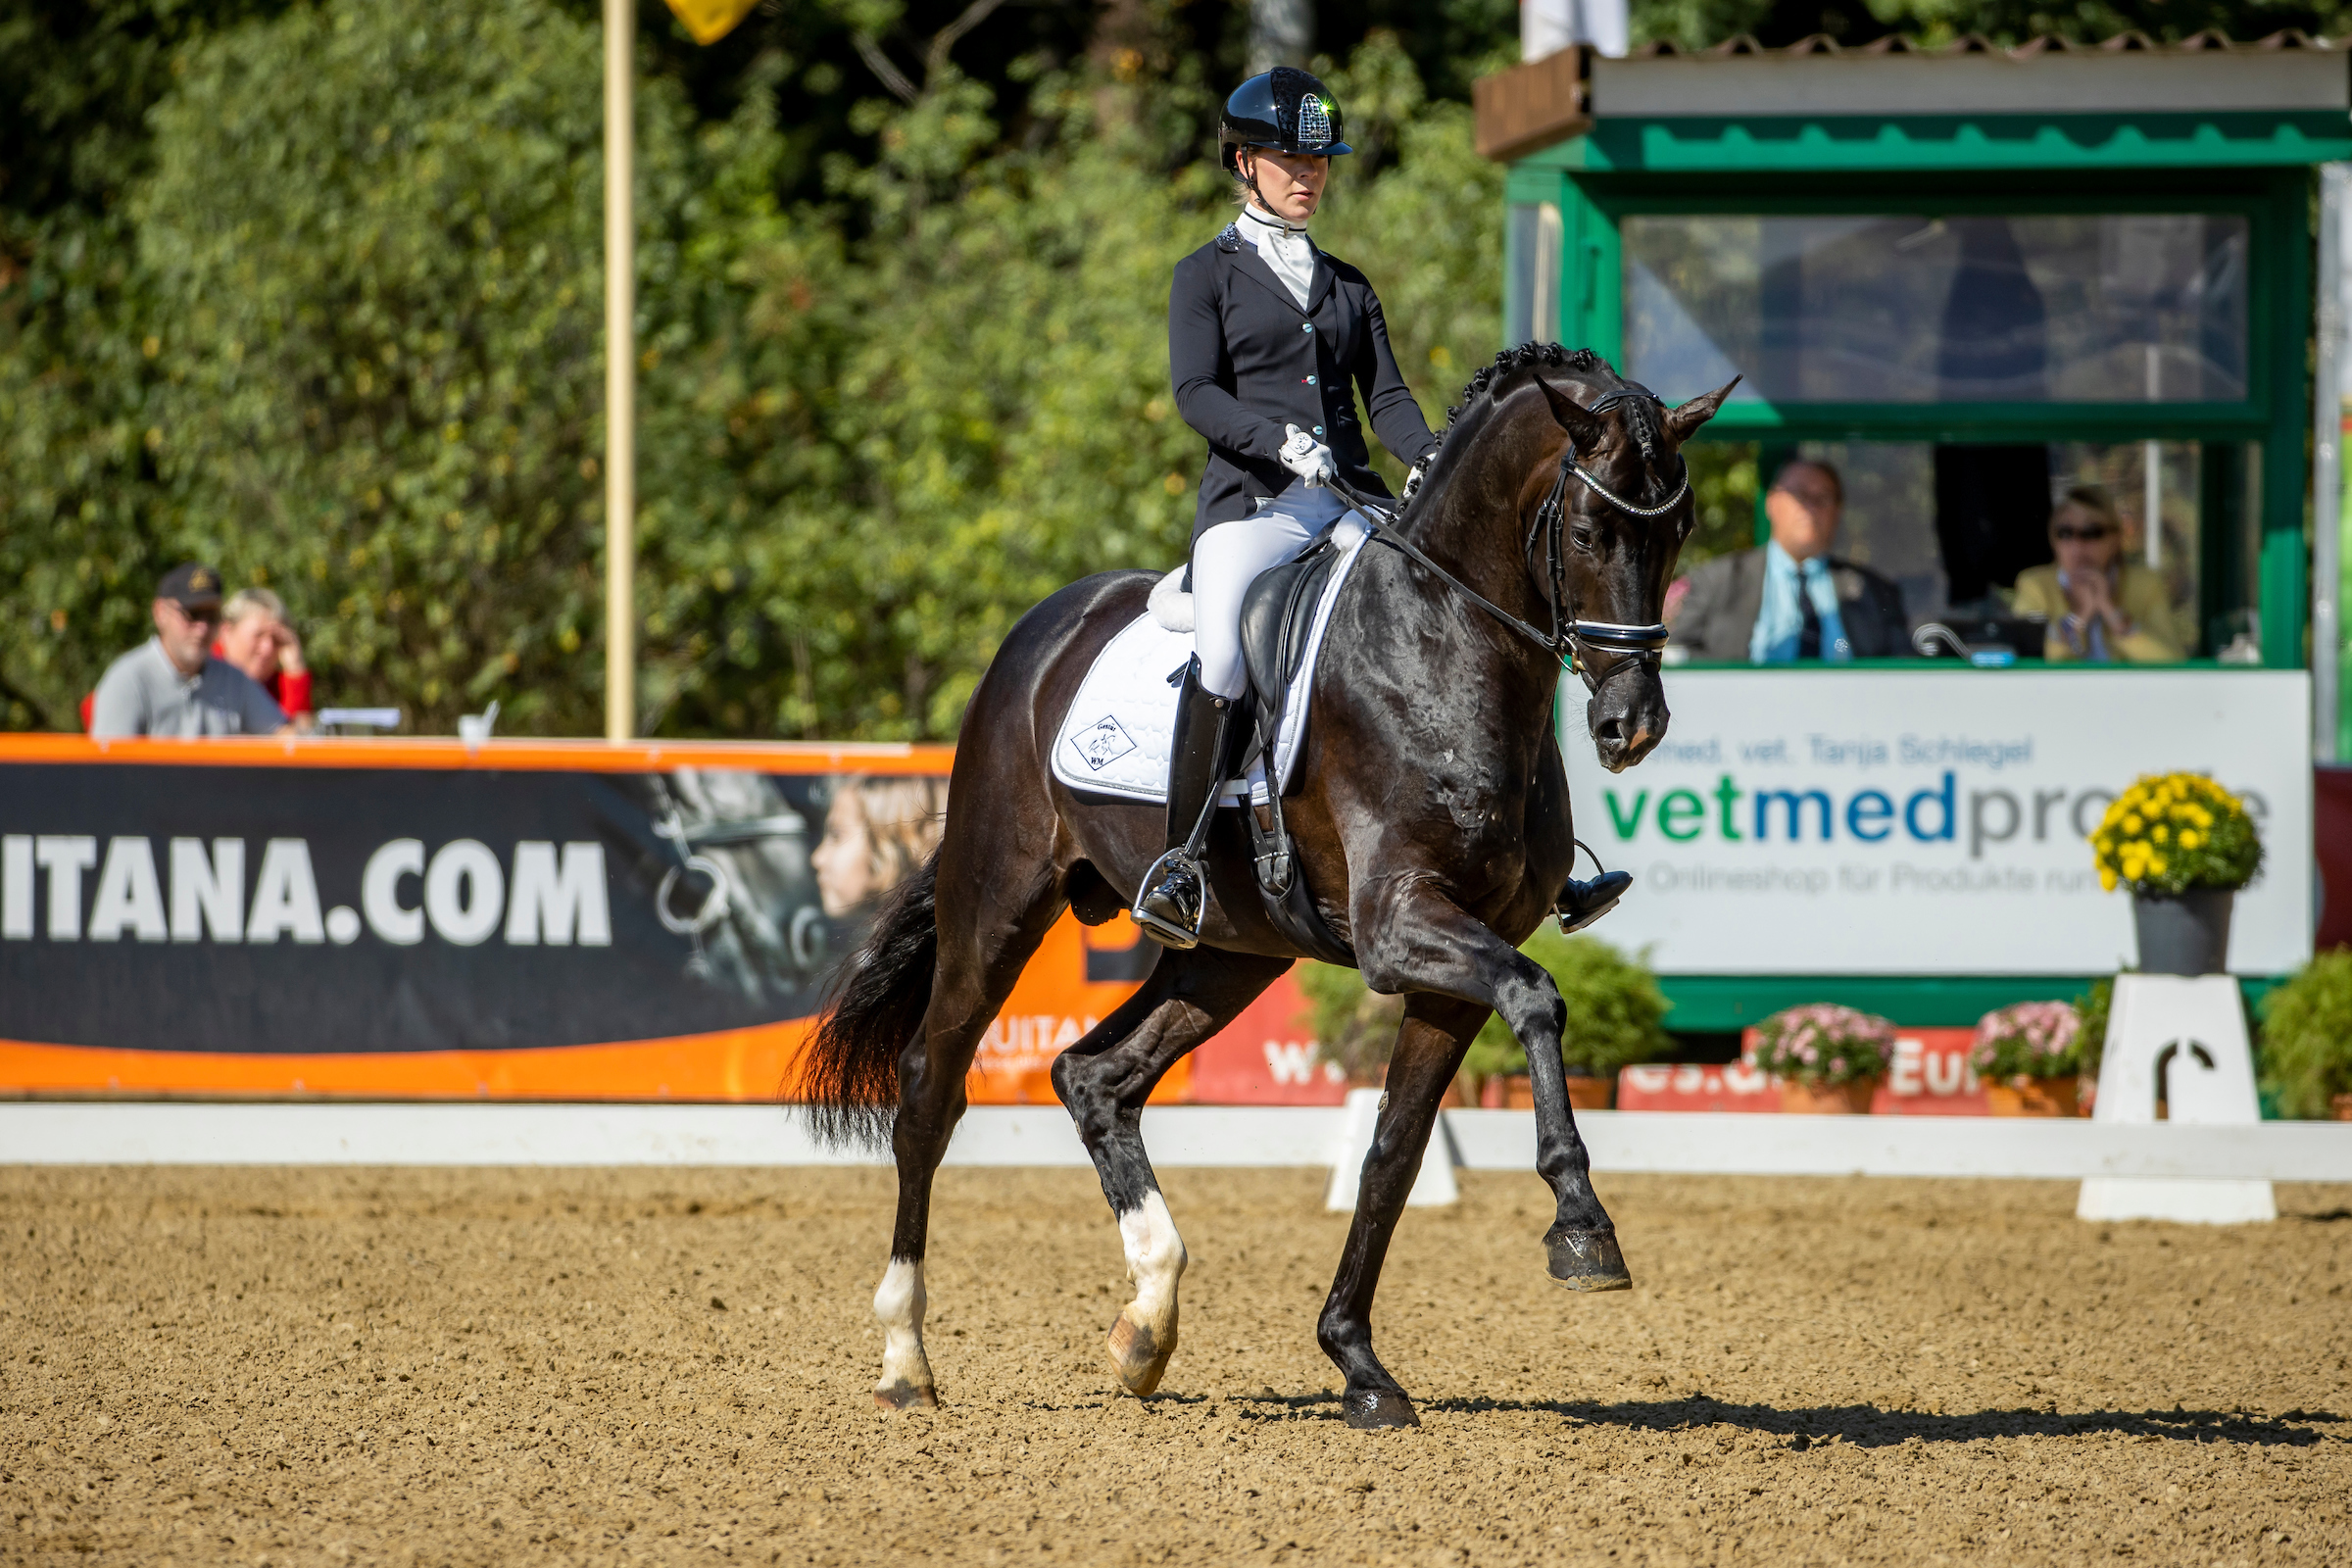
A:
1792, 600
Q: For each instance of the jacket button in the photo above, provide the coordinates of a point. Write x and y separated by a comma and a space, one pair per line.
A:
1311, 380
1306, 326
1318, 429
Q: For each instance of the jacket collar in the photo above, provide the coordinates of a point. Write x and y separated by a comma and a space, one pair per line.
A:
1244, 258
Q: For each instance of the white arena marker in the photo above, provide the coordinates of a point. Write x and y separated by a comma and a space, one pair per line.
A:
1359, 1121
2181, 1038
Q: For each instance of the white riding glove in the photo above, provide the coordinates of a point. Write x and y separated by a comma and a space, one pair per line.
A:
1306, 456
1412, 481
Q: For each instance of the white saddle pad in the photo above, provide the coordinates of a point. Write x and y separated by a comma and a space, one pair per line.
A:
1114, 740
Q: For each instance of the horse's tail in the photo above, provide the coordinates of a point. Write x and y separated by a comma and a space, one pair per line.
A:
877, 1003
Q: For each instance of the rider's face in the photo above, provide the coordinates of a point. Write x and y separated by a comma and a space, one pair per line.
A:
1290, 185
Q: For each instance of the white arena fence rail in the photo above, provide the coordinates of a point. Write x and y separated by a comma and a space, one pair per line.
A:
215, 1133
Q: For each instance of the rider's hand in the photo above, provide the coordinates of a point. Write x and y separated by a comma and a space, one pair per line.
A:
1306, 456
1412, 481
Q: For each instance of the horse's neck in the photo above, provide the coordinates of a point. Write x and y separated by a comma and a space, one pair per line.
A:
1471, 526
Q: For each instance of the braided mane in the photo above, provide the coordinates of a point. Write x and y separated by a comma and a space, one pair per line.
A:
1641, 414
1526, 355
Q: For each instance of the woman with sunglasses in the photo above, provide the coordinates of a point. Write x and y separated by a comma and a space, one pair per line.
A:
2101, 609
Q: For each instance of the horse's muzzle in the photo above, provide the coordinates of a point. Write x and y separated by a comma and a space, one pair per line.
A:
1627, 716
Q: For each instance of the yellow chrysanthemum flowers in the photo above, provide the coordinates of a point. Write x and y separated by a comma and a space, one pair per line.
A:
2173, 831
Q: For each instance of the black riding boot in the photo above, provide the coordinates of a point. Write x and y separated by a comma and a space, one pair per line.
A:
1582, 903
1174, 894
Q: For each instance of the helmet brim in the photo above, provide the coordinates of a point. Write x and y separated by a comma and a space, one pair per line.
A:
1233, 152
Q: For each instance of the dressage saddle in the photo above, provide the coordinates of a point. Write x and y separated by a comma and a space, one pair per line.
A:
1278, 612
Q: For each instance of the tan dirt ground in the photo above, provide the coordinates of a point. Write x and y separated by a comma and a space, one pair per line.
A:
294, 1366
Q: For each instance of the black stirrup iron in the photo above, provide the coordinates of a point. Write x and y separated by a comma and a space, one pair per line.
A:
1580, 902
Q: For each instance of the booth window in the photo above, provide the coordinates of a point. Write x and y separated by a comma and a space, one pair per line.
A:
2061, 307
1903, 520
1532, 312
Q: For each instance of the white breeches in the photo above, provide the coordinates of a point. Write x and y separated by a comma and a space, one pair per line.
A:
1228, 558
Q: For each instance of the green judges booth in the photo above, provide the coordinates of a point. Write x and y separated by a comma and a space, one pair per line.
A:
1970, 279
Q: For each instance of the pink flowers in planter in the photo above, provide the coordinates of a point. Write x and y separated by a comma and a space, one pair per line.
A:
1825, 1044
2029, 1040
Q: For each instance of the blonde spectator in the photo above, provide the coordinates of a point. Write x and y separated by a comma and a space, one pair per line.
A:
2101, 607
877, 831
258, 638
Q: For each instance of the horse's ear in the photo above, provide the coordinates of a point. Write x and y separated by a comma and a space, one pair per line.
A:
1584, 428
1683, 422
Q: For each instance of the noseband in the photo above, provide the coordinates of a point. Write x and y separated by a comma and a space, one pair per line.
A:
1571, 635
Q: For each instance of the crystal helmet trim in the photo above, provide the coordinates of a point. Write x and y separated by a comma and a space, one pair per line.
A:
1284, 108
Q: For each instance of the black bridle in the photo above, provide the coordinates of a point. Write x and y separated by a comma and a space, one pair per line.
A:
1571, 635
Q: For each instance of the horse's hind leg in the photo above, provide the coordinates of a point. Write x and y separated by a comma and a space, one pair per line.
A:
1104, 1079
987, 928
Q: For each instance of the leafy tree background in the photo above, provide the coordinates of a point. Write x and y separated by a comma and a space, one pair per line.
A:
314, 292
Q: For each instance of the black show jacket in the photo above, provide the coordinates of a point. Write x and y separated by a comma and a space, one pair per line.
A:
1244, 361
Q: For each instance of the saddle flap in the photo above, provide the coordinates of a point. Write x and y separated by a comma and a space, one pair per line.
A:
1278, 612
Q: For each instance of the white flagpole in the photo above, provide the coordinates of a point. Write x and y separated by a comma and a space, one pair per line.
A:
620, 379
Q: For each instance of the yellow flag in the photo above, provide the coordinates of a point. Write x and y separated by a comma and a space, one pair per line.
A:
711, 19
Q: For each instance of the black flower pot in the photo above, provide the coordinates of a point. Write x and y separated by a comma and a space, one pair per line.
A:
2184, 933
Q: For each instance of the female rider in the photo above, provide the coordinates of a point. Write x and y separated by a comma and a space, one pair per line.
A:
1268, 342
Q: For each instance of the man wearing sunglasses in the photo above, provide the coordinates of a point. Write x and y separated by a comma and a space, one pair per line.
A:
171, 684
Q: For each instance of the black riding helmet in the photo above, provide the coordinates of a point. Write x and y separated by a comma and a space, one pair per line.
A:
1285, 109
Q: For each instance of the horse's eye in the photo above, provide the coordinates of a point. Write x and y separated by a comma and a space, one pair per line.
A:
1585, 537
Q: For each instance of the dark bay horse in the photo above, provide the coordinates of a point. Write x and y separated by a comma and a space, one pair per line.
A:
1431, 821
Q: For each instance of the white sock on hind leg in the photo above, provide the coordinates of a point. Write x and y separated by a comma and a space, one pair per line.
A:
898, 1303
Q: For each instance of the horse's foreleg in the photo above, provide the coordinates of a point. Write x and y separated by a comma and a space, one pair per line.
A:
1428, 943
1430, 1043
1104, 1080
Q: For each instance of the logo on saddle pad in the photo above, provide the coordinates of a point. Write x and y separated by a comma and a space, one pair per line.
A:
1103, 742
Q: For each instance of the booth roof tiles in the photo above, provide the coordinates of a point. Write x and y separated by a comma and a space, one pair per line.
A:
2129, 74
2209, 41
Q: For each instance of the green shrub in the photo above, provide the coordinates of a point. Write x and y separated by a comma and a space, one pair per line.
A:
2090, 1043
2307, 1036
1615, 1012
1615, 1009
1355, 1027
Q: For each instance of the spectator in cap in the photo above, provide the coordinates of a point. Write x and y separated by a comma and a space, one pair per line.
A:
171, 684
257, 638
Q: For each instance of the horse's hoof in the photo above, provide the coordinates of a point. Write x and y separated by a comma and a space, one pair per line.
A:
1368, 1409
905, 1395
1139, 1355
1587, 1261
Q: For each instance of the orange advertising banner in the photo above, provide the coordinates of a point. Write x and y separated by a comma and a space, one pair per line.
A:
518, 920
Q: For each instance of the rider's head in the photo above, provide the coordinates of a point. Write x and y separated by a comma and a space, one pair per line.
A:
1277, 137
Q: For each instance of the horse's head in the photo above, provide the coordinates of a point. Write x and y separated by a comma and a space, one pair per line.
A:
1625, 509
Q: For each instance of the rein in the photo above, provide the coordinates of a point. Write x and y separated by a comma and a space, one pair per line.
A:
1571, 634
